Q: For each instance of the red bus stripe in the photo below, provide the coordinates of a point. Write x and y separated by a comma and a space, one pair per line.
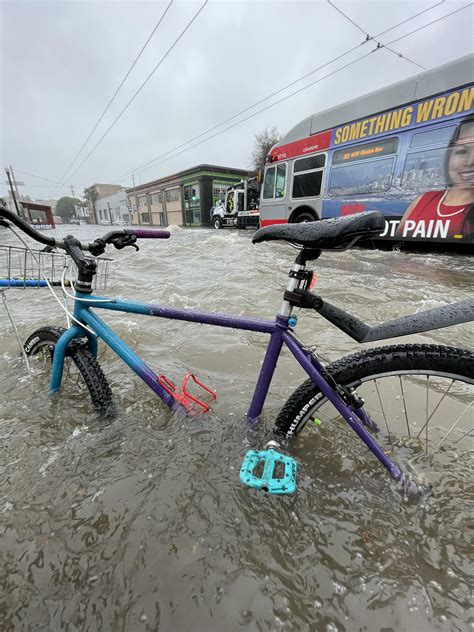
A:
309, 145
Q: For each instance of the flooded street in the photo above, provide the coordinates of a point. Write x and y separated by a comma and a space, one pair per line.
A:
143, 524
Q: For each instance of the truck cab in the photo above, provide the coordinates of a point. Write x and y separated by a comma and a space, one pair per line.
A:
240, 207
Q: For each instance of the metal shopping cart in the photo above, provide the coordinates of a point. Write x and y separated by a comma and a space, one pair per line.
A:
24, 268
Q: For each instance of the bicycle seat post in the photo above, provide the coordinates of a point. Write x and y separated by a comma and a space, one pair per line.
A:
297, 276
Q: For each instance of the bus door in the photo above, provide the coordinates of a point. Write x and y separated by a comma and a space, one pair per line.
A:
273, 199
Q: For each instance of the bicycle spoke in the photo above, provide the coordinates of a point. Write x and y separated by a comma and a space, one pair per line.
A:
383, 397
452, 427
436, 407
389, 434
404, 405
466, 434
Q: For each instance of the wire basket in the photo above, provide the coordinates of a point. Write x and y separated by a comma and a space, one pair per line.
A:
27, 268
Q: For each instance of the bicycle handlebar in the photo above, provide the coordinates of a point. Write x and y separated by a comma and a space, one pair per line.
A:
116, 237
149, 234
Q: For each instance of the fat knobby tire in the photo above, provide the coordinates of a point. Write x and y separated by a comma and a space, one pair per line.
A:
456, 363
85, 362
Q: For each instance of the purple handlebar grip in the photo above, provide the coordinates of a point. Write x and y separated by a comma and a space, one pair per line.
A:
150, 234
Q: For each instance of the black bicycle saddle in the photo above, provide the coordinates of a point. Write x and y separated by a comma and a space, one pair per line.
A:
334, 234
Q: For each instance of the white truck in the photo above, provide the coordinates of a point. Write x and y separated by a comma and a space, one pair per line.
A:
240, 207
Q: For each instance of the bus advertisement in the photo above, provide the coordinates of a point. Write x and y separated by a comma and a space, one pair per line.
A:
413, 161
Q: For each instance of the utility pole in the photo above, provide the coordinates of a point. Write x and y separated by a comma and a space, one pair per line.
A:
136, 200
73, 198
14, 192
19, 207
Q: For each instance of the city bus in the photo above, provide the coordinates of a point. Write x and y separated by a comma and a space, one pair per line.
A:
406, 150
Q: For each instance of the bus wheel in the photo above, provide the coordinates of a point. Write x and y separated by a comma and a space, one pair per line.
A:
304, 216
217, 222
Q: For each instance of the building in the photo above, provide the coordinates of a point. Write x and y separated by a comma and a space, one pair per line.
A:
184, 198
113, 209
96, 192
102, 190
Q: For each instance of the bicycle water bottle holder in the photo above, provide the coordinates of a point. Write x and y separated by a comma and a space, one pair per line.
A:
269, 460
193, 404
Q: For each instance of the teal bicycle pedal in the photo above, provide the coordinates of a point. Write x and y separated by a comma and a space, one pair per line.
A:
269, 462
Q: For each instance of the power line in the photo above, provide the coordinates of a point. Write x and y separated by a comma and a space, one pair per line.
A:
26, 173
45, 186
142, 85
348, 18
268, 106
466, 6
368, 37
411, 18
301, 89
403, 56
269, 96
61, 179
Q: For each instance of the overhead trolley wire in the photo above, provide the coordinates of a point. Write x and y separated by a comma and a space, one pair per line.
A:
268, 106
348, 18
466, 6
368, 37
158, 160
62, 178
142, 85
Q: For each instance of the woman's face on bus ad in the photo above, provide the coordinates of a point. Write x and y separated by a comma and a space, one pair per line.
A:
461, 159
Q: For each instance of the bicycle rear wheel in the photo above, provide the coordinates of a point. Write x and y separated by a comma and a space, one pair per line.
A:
420, 396
82, 372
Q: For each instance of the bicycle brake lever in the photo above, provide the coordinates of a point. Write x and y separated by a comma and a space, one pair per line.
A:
125, 240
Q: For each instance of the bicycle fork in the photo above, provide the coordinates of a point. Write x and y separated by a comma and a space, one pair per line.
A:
313, 368
356, 418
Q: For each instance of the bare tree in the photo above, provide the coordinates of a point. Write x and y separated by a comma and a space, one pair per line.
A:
263, 143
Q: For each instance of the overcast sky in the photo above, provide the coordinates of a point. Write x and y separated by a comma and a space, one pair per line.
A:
62, 61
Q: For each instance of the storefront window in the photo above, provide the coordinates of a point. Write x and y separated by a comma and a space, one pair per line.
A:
172, 195
155, 199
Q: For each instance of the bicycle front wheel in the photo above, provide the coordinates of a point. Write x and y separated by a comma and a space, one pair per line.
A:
82, 372
420, 396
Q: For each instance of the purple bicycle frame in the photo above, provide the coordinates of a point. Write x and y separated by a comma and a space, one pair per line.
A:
279, 336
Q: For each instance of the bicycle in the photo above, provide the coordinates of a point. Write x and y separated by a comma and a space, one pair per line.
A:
418, 368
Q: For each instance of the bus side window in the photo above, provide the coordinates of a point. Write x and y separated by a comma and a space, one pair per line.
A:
275, 180
437, 136
308, 176
361, 169
280, 181
269, 183
361, 177
424, 167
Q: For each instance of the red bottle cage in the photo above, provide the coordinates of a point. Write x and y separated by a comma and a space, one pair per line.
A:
184, 397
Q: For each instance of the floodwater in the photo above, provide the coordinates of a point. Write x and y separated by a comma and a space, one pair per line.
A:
143, 524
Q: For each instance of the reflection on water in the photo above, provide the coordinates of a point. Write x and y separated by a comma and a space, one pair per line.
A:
144, 525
